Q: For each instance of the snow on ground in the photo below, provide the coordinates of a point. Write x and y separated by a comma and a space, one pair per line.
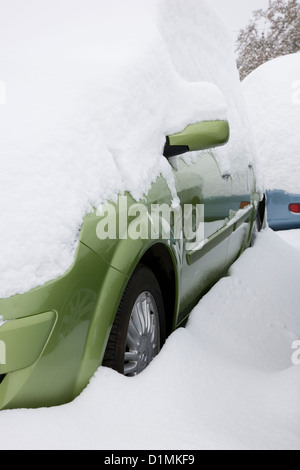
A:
91, 93
272, 94
226, 381
291, 237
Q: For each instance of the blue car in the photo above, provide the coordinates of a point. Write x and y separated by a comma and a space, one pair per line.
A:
283, 210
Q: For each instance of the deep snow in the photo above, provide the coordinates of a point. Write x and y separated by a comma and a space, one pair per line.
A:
90, 97
272, 93
226, 381
291, 237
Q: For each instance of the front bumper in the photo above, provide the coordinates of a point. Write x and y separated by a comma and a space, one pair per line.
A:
23, 341
53, 338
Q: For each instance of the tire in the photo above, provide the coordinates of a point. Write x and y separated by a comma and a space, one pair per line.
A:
138, 332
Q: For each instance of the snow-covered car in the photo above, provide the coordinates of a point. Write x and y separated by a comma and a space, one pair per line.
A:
273, 96
107, 143
283, 210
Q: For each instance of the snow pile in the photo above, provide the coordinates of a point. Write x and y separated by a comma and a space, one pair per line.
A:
92, 89
291, 237
225, 382
201, 48
273, 97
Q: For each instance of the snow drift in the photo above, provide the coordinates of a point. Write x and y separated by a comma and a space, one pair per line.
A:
225, 382
92, 89
273, 98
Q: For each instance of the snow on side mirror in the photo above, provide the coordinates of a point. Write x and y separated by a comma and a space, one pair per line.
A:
201, 136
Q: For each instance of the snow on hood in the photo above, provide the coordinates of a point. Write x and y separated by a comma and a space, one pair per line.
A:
273, 97
91, 90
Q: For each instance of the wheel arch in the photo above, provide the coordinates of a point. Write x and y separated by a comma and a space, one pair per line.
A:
159, 259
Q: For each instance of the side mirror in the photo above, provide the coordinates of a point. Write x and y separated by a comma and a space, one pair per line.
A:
201, 136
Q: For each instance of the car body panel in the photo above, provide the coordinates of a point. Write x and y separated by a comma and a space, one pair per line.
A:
201, 183
90, 289
244, 192
278, 213
84, 301
202, 135
24, 340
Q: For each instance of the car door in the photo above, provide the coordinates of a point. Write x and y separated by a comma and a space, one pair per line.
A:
200, 181
242, 207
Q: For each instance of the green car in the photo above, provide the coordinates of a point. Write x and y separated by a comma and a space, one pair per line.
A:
139, 270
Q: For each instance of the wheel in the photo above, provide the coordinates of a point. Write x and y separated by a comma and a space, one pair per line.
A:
138, 332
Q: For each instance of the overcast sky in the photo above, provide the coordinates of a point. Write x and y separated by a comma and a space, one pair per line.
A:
237, 13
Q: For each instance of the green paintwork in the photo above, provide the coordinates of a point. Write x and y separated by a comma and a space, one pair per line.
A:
25, 340
88, 294
202, 136
218, 237
56, 334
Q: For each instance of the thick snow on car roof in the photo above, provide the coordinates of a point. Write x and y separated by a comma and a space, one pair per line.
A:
91, 90
273, 97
